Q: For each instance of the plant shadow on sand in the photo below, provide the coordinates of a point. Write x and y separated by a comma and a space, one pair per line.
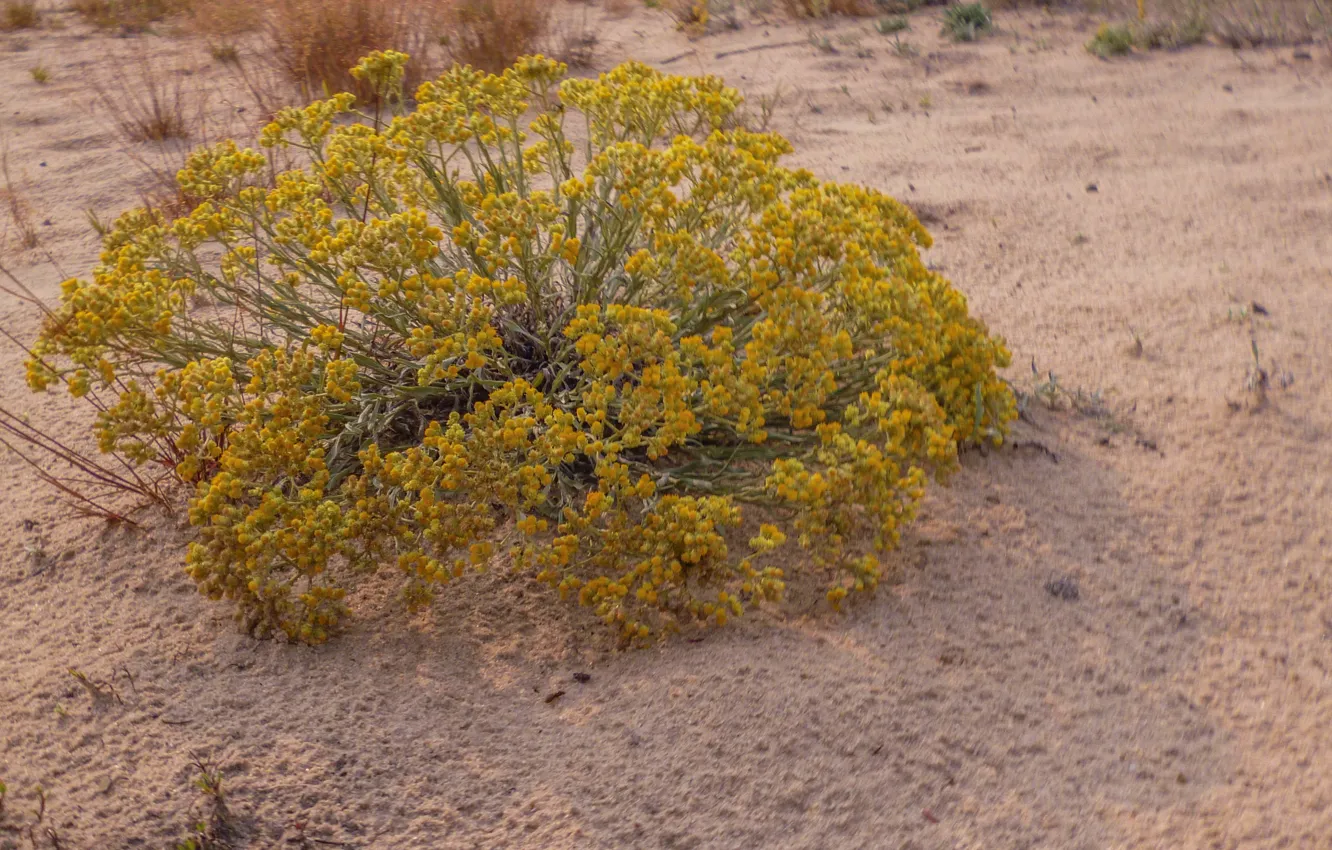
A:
964, 693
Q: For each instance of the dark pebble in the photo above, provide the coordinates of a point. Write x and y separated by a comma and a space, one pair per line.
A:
1065, 588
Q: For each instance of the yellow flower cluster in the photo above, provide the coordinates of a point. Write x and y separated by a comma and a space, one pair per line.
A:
459, 337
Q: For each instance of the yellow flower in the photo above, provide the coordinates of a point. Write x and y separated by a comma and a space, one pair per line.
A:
451, 335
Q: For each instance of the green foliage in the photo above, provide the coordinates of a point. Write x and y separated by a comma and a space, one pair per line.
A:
1111, 41
967, 21
211, 832
826, 8
457, 338
1172, 35
892, 24
39, 74
1119, 40
898, 6
904, 49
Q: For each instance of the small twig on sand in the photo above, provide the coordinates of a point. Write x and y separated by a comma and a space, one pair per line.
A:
1040, 447
97, 689
677, 57
757, 47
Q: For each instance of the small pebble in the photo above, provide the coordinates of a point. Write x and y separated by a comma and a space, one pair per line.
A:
1065, 588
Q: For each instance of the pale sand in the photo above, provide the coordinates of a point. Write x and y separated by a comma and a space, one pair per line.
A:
1182, 701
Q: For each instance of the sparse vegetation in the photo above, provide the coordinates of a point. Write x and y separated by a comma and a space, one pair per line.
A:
824, 8
212, 830
1111, 41
39, 74
967, 21
691, 17
146, 101
35, 545
101, 691
1174, 34
19, 15
892, 24
747, 118
1053, 395
1253, 24
1258, 379
227, 54
37, 832
127, 15
491, 34
1175, 24
223, 21
574, 40
209, 781
1120, 39
1137, 349
16, 203
223, 24
581, 365
315, 42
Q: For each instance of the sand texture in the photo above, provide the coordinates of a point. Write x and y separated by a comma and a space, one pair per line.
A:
1182, 700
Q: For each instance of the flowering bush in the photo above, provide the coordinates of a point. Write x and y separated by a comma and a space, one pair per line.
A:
462, 335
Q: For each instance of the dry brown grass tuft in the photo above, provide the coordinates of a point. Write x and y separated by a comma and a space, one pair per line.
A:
316, 42
162, 114
19, 15
15, 203
573, 40
222, 21
1235, 23
490, 34
146, 101
824, 8
225, 53
127, 15
692, 17
267, 84
1251, 23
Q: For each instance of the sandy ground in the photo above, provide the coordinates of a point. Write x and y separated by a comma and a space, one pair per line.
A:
1183, 700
